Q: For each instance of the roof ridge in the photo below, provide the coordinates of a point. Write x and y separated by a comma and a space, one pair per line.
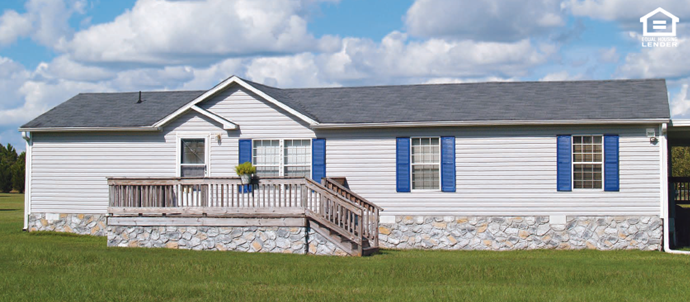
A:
150, 91
474, 83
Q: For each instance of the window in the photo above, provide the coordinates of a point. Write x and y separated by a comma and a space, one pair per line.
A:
588, 155
266, 157
193, 159
290, 157
426, 157
297, 158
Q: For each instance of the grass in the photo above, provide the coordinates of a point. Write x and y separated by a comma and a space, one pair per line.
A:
64, 267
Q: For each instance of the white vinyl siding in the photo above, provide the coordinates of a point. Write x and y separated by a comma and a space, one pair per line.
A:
507, 171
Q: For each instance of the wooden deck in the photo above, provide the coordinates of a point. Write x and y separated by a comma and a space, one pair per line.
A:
280, 201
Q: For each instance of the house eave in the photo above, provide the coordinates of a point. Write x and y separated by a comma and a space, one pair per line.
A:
487, 123
91, 129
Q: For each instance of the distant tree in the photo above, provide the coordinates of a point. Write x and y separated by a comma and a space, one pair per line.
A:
18, 175
12, 168
5, 176
680, 161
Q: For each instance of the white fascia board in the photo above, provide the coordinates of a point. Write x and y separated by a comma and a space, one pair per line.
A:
227, 125
221, 86
89, 129
486, 123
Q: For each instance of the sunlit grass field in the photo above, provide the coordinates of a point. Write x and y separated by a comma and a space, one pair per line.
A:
60, 267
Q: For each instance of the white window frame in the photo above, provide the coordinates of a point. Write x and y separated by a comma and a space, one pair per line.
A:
193, 135
439, 165
572, 163
281, 161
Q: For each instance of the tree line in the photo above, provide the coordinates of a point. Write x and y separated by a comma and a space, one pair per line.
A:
12, 167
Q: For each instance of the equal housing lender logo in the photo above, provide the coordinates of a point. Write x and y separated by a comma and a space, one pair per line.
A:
659, 29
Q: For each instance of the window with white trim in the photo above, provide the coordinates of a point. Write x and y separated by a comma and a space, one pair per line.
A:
588, 159
426, 163
289, 157
193, 157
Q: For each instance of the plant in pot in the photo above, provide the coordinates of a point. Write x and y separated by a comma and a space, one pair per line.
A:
245, 171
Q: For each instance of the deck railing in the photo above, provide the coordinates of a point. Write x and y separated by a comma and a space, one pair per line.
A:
230, 197
370, 218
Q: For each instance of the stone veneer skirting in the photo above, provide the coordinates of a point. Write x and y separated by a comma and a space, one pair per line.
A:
82, 224
289, 240
408, 232
519, 233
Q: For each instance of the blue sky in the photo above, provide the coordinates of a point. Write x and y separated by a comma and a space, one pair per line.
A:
51, 50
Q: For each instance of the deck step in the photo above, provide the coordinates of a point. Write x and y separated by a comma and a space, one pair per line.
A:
370, 251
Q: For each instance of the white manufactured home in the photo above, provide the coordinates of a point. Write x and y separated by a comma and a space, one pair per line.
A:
491, 166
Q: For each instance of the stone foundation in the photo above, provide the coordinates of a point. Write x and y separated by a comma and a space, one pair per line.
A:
82, 224
522, 233
319, 245
288, 240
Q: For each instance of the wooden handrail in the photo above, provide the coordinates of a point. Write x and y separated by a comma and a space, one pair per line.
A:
370, 215
331, 181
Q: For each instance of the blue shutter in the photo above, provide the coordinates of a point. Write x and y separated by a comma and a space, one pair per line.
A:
448, 164
245, 151
611, 178
245, 155
402, 164
318, 159
564, 157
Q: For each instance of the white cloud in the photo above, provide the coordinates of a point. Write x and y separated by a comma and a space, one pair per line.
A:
474, 80
395, 57
12, 26
205, 78
46, 21
50, 19
397, 60
12, 75
625, 11
166, 78
561, 76
680, 105
657, 62
293, 71
609, 55
180, 32
492, 20
64, 68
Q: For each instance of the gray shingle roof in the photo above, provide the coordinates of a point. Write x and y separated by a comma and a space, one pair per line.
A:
114, 109
505, 101
531, 101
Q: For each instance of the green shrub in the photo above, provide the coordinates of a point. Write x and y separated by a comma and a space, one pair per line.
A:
245, 169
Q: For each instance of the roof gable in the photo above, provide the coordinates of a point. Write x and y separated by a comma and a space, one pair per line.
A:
224, 85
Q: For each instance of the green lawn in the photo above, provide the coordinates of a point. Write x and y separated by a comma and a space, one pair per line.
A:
47, 266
